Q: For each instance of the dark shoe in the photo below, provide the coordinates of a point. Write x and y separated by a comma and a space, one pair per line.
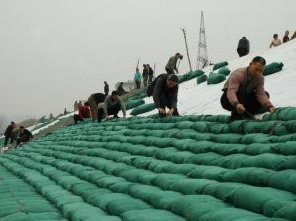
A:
161, 115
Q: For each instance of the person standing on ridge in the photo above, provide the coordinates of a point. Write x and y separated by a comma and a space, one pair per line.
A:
150, 74
138, 78
243, 47
106, 88
244, 94
171, 66
145, 75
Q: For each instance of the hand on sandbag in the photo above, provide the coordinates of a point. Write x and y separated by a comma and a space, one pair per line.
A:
170, 112
162, 111
240, 108
272, 109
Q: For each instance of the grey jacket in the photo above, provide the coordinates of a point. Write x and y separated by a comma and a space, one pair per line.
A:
172, 63
109, 103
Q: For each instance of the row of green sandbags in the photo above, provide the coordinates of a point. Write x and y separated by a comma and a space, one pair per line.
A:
175, 182
130, 104
143, 109
190, 75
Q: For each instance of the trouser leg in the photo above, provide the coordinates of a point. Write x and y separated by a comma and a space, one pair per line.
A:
93, 107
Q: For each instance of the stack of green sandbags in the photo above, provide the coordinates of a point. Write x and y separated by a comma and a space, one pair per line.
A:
130, 104
215, 78
201, 79
143, 109
225, 71
220, 65
273, 68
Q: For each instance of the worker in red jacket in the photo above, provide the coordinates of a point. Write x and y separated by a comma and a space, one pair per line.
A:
83, 112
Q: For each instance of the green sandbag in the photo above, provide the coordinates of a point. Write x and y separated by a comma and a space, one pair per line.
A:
195, 74
281, 114
151, 214
143, 109
201, 79
134, 103
220, 65
215, 78
225, 71
190, 75
138, 96
193, 207
273, 68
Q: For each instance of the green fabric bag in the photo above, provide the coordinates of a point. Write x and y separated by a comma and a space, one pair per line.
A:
220, 65
201, 79
273, 68
225, 71
143, 109
134, 103
216, 78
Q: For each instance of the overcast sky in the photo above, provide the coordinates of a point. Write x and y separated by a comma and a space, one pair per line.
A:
53, 52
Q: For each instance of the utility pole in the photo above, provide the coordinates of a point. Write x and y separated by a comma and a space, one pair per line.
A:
138, 62
184, 33
202, 56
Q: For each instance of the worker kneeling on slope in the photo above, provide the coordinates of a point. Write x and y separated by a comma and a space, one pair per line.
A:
244, 93
164, 90
111, 106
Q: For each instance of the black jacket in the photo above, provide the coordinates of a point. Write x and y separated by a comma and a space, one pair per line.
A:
150, 72
244, 44
161, 88
8, 131
99, 97
26, 133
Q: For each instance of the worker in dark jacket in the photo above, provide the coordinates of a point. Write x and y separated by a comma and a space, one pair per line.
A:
121, 90
243, 47
93, 102
8, 133
165, 94
83, 112
145, 75
112, 105
244, 94
106, 88
150, 74
25, 135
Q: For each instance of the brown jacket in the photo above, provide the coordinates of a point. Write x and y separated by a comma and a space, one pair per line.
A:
252, 84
